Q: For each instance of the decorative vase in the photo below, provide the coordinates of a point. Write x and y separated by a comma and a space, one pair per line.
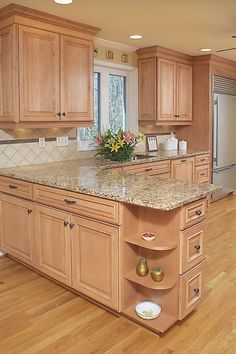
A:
157, 273
142, 268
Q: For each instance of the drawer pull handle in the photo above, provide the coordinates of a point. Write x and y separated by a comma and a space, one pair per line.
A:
203, 159
196, 290
148, 169
198, 247
29, 211
72, 226
66, 223
12, 186
183, 160
198, 212
70, 202
202, 174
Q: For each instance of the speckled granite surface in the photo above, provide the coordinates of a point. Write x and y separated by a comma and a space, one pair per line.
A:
85, 176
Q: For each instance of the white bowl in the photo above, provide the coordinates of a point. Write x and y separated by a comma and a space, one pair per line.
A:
148, 310
148, 236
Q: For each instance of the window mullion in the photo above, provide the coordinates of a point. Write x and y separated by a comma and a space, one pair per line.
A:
104, 100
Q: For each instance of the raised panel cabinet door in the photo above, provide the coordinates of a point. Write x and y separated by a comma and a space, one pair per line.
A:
52, 246
95, 250
76, 79
184, 92
39, 75
16, 230
183, 170
166, 90
147, 90
9, 99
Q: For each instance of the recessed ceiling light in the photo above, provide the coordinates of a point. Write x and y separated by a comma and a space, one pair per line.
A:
63, 2
135, 36
205, 49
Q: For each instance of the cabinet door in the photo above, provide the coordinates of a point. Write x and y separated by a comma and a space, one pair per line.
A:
53, 243
8, 75
147, 77
166, 90
39, 75
16, 230
76, 79
183, 170
184, 92
95, 260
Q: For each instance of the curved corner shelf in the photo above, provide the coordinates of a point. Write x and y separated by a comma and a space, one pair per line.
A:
148, 282
155, 245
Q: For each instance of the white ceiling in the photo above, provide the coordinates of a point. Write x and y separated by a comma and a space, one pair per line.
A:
182, 25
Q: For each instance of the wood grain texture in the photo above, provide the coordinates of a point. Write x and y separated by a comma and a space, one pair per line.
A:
38, 316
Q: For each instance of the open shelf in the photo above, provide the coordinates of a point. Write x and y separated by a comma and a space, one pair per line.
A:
148, 282
159, 324
156, 245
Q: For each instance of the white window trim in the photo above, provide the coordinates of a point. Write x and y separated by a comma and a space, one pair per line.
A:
131, 74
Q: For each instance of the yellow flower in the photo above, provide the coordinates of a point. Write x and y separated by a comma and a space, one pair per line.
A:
115, 147
121, 142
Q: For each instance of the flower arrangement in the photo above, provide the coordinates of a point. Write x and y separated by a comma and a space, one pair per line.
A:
118, 146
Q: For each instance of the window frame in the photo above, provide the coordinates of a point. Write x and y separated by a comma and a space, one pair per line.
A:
131, 74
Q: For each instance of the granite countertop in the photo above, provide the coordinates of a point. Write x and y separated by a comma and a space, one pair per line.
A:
86, 176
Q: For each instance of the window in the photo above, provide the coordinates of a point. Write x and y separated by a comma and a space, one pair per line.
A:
114, 102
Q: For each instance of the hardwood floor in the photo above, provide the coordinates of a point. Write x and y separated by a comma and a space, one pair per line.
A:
39, 316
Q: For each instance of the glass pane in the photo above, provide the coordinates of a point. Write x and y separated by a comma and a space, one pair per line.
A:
87, 134
117, 102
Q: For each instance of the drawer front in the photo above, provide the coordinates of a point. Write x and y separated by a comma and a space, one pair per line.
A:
202, 173
77, 203
152, 168
191, 247
191, 290
16, 187
202, 159
193, 213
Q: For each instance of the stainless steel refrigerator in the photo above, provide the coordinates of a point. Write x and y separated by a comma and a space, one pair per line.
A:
224, 141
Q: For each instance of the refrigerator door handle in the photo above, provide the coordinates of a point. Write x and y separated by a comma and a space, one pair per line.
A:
216, 127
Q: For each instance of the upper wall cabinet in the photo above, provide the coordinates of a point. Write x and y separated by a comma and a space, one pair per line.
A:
165, 87
46, 70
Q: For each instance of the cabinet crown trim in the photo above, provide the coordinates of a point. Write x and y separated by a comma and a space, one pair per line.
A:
14, 10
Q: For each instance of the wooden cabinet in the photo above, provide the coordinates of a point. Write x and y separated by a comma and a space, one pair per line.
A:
39, 75
53, 243
76, 79
95, 248
165, 87
48, 74
202, 168
183, 169
8, 78
161, 169
147, 84
16, 229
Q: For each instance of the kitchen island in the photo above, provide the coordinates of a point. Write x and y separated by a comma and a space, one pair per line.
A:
82, 225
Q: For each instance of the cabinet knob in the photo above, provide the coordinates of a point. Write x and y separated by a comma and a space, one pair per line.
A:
196, 290
12, 186
63, 114
183, 160
148, 169
29, 211
70, 202
198, 247
198, 212
66, 223
72, 226
59, 114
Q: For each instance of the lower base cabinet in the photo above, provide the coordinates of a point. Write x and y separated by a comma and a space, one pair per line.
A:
95, 252
53, 243
16, 231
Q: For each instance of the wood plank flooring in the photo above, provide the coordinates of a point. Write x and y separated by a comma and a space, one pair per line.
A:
39, 316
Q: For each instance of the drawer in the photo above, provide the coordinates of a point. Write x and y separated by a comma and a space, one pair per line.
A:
152, 168
191, 247
202, 173
202, 159
193, 213
191, 290
77, 203
16, 187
